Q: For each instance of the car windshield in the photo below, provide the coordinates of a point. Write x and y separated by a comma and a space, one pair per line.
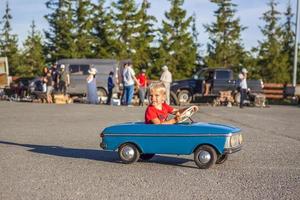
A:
203, 74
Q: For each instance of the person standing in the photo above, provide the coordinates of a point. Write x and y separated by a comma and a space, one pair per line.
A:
92, 87
166, 79
143, 82
110, 87
243, 86
49, 83
129, 79
55, 76
64, 80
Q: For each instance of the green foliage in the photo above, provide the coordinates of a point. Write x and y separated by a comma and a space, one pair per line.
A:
124, 15
60, 39
195, 33
125, 30
83, 29
176, 46
103, 34
143, 38
225, 48
288, 36
33, 57
9, 43
272, 61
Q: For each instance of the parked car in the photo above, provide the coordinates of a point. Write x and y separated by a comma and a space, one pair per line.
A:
78, 71
220, 79
211, 143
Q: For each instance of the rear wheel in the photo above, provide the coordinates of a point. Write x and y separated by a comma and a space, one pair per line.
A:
205, 156
184, 97
146, 156
128, 153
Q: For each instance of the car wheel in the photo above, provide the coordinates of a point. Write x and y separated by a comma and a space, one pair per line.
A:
184, 97
101, 92
205, 156
128, 153
222, 158
146, 156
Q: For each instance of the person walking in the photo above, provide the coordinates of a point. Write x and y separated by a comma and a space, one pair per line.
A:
143, 82
110, 87
92, 87
166, 79
243, 86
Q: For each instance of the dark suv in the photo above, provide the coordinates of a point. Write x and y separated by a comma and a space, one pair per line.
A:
220, 79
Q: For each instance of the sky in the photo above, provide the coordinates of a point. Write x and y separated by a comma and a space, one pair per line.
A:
249, 12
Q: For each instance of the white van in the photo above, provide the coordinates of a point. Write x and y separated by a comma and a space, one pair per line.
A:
78, 71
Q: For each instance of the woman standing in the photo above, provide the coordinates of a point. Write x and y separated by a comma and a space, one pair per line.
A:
92, 87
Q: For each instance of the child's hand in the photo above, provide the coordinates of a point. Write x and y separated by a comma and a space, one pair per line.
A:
177, 117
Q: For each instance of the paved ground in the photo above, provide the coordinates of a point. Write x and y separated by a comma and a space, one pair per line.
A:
52, 152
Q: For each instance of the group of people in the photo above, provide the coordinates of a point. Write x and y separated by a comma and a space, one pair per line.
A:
158, 109
129, 80
54, 79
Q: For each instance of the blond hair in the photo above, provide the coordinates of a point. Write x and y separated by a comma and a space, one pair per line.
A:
158, 87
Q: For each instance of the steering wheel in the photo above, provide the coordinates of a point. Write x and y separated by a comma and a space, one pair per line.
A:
185, 115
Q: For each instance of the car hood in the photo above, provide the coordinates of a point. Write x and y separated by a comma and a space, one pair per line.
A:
181, 128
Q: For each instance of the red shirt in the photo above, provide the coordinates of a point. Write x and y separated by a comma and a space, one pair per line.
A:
142, 78
152, 113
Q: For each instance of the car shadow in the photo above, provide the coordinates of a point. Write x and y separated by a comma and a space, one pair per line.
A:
94, 154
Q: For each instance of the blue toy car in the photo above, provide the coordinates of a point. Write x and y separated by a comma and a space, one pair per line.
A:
210, 143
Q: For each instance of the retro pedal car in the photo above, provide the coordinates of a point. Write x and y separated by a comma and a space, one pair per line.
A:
211, 143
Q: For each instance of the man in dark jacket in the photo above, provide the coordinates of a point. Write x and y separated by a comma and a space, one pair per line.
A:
110, 86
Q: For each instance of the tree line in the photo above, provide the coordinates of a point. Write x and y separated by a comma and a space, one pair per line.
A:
126, 30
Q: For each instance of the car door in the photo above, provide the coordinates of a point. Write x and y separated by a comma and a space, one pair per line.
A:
200, 77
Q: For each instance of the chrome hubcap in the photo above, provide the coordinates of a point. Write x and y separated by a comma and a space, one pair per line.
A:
128, 152
184, 98
204, 157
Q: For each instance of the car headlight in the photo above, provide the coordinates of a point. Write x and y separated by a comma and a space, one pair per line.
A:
233, 141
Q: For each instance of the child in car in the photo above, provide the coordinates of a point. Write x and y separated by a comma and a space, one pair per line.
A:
157, 112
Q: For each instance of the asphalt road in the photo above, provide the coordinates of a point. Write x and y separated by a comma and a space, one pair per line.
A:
52, 152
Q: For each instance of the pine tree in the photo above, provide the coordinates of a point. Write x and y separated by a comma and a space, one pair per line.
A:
33, 58
9, 43
176, 47
83, 29
225, 48
60, 38
103, 33
144, 37
124, 18
289, 38
195, 33
273, 64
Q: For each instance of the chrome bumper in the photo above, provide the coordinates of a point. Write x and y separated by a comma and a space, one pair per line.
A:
232, 150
